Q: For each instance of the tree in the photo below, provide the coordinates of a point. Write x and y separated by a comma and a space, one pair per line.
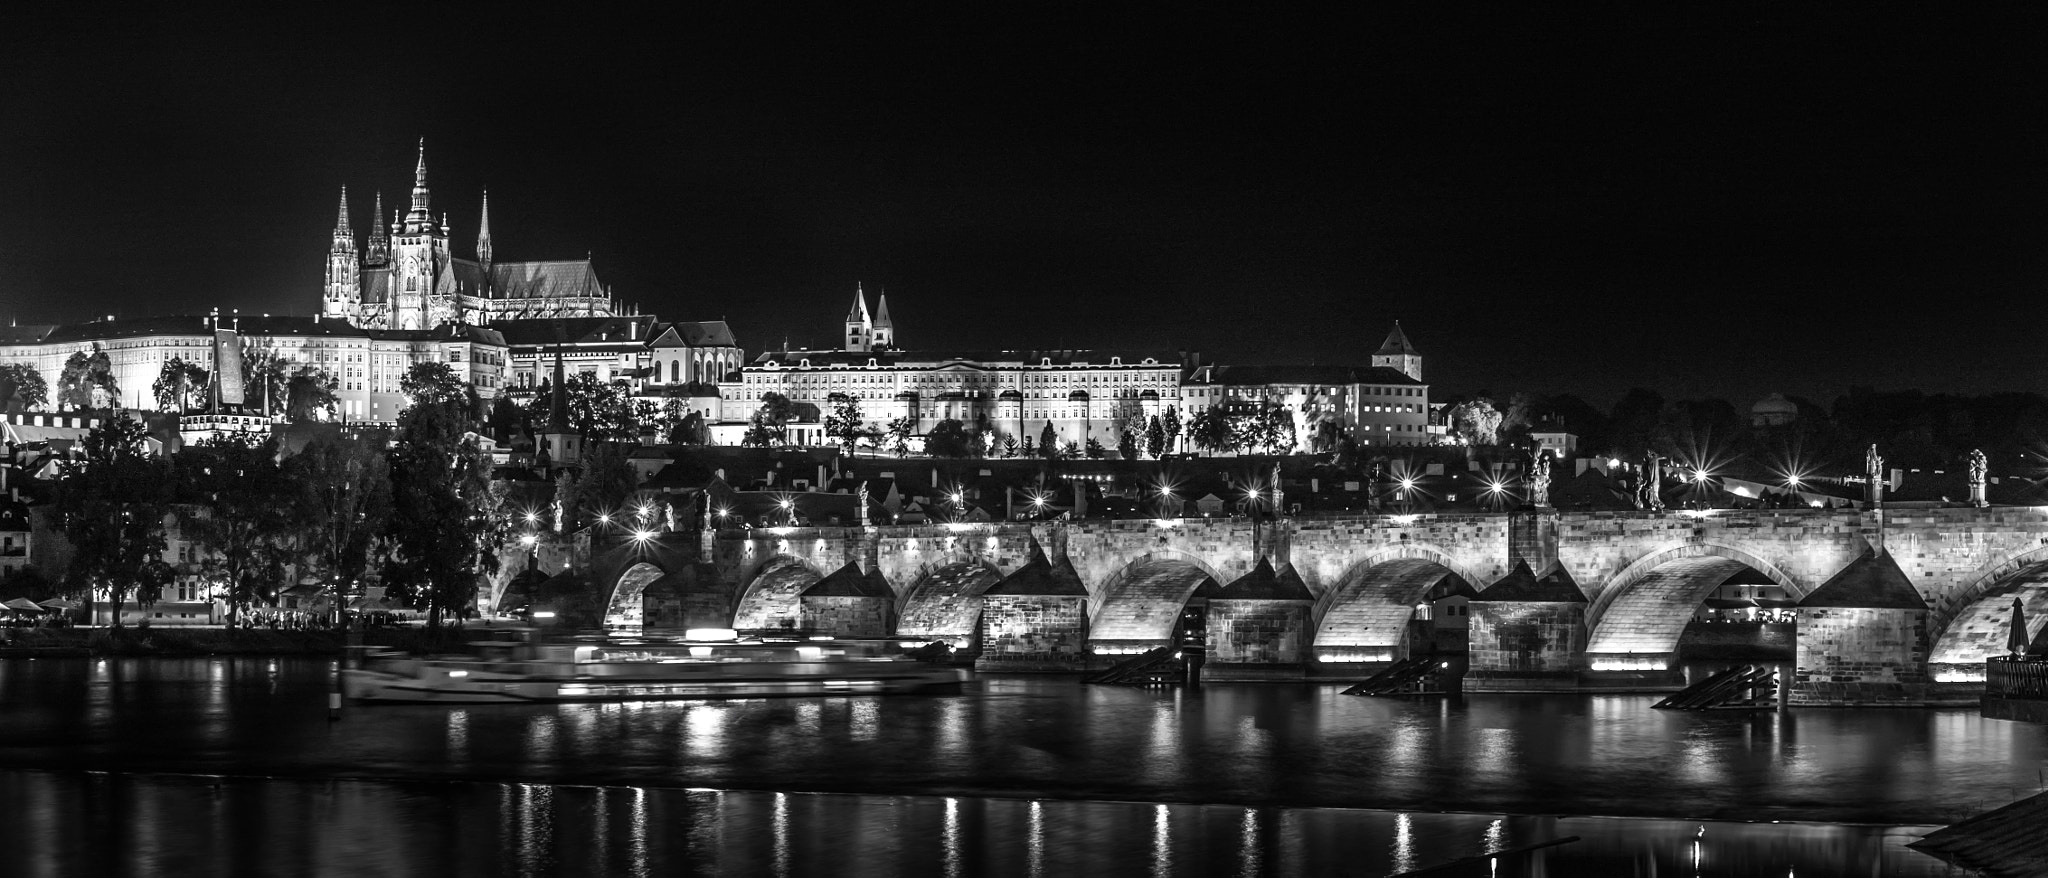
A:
1476, 421
646, 416
1635, 425
599, 411
949, 438
265, 372
1048, 442
771, 421
1155, 438
342, 500
22, 387
112, 503
1210, 429
1170, 424
180, 386
1028, 448
689, 430
898, 435
446, 520
309, 395
239, 508
87, 381
1010, 446
1093, 449
845, 422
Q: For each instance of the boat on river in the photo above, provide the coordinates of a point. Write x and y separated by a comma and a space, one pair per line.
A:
646, 669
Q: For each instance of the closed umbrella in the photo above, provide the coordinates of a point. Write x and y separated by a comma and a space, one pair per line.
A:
2016, 639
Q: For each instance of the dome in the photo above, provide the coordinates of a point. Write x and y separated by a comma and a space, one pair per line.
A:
1773, 410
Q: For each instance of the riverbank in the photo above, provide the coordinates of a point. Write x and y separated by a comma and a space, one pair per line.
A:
190, 642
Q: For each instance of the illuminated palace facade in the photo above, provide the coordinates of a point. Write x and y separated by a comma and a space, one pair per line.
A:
1083, 394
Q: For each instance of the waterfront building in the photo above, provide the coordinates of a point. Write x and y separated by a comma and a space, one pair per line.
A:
1374, 405
655, 358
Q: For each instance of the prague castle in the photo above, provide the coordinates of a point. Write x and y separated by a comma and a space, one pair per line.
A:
410, 277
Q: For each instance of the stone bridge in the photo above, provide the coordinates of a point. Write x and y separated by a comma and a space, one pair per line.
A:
1615, 589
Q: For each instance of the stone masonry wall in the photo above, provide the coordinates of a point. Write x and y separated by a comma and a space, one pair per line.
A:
1860, 656
1034, 629
1527, 638
846, 615
1258, 632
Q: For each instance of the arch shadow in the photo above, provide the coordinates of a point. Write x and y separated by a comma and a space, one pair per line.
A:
1366, 616
623, 608
770, 597
944, 601
1645, 607
1328, 598
1143, 600
1977, 627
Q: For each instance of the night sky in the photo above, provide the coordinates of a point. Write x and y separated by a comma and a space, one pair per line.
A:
1702, 205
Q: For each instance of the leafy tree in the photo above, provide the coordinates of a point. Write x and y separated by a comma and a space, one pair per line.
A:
1127, 445
771, 421
309, 395
1093, 449
1070, 451
239, 508
265, 374
22, 387
446, 520
506, 417
1048, 441
1170, 424
30, 582
87, 381
1028, 448
689, 430
180, 386
1636, 424
1210, 430
899, 432
647, 415
599, 411
1155, 438
112, 503
949, 438
342, 503
845, 422
1476, 421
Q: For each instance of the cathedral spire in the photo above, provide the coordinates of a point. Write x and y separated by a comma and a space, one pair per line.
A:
419, 219
483, 233
344, 237
882, 312
378, 250
859, 312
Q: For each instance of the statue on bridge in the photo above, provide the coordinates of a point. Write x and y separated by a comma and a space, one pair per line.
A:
861, 502
1873, 465
1279, 496
1539, 480
1651, 491
1980, 470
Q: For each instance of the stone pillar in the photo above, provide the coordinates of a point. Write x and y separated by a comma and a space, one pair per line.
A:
1855, 656
1525, 646
1532, 537
1033, 633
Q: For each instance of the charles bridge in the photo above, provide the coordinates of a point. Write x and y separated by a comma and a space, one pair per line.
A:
1898, 605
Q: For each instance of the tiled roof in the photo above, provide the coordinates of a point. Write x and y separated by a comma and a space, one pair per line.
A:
248, 324
1241, 376
1397, 342
542, 280
1873, 582
1522, 585
27, 333
929, 359
2004, 841
576, 330
705, 333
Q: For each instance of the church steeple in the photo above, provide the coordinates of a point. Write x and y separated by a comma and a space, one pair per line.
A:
884, 334
420, 218
483, 235
859, 327
344, 237
378, 251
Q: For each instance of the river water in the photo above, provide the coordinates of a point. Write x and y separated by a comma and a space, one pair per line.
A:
234, 761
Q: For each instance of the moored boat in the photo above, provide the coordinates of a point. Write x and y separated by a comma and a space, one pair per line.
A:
645, 670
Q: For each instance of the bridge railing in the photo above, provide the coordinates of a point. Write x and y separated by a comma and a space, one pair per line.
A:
2015, 678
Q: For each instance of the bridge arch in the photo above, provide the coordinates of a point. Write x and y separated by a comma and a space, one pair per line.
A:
623, 609
1364, 617
770, 597
1139, 604
1979, 614
944, 601
1644, 608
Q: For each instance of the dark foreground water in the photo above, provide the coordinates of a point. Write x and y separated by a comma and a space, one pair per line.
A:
1027, 776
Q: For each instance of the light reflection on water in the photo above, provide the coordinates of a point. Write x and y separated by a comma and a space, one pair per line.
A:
75, 823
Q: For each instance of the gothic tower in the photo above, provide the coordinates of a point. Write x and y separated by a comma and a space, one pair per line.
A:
883, 337
419, 253
343, 294
378, 251
1397, 353
859, 327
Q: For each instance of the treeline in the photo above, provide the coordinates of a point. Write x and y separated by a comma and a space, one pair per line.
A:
1911, 428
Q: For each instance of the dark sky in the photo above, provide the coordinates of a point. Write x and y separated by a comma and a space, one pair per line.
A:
1704, 205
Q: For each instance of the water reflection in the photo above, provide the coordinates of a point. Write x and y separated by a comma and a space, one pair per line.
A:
1037, 738
74, 823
